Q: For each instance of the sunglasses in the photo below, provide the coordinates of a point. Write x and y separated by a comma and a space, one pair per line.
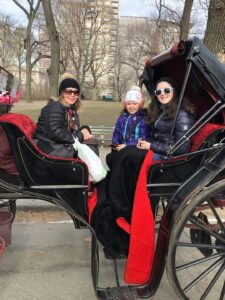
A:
164, 91
70, 92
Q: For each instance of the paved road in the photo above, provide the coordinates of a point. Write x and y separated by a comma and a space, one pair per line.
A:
52, 261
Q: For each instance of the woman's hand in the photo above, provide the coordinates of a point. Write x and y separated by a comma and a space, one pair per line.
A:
120, 146
143, 144
87, 135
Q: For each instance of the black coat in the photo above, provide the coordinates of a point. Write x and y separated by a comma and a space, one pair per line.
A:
53, 128
115, 199
161, 133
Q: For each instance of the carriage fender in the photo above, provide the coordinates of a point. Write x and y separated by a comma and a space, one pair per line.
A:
195, 184
189, 189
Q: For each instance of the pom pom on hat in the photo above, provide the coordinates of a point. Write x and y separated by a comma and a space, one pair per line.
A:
66, 75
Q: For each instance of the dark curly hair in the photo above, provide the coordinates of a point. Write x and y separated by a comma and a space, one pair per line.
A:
155, 107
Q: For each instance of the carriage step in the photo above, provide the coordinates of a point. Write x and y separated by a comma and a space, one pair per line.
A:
109, 256
117, 293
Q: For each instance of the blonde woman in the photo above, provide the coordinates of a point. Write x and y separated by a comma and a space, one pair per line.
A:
59, 122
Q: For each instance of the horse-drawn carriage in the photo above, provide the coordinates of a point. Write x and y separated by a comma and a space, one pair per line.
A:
188, 190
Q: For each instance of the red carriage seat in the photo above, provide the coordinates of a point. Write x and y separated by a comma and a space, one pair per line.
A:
20, 129
207, 131
7, 163
65, 177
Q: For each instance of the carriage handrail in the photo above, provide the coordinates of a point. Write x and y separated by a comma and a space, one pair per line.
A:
163, 184
194, 128
62, 186
215, 146
180, 98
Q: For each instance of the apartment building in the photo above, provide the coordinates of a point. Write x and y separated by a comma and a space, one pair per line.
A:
88, 33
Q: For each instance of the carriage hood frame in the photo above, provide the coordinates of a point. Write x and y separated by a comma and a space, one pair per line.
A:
200, 77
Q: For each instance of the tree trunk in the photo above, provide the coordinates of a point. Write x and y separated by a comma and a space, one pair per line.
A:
214, 36
27, 43
94, 93
53, 71
28, 63
185, 20
19, 72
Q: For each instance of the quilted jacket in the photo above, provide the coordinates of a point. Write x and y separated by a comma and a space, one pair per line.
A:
129, 128
53, 127
160, 135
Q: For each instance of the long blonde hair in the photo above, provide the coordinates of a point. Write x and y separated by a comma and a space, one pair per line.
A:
76, 105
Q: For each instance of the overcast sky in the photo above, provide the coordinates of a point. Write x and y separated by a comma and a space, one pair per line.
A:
126, 8
132, 8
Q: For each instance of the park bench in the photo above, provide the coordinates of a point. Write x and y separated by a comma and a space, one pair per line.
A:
103, 134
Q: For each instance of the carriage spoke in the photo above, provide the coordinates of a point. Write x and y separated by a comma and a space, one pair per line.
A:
198, 224
214, 280
222, 292
216, 215
204, 274
203, 246
197, 261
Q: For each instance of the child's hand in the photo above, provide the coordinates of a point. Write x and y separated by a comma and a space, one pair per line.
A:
143, 144
120, 146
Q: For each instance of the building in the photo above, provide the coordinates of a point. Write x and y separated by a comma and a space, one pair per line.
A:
88, 33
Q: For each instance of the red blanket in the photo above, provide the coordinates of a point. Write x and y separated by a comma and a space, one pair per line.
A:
142, 231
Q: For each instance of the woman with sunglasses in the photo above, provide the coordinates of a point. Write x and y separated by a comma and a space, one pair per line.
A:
59, 122
161, 113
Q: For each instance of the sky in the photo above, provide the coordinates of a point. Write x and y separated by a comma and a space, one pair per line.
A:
132, 8
126, 8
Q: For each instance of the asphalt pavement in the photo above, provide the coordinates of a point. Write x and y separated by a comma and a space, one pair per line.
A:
52, 261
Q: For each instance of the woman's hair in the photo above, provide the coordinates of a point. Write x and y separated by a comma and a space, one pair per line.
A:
155, 107
75, 106
60, 99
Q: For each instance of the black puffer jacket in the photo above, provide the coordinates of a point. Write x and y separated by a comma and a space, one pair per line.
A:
161, 133
53, 127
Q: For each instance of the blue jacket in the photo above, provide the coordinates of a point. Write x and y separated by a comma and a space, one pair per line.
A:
160, 134
129, 128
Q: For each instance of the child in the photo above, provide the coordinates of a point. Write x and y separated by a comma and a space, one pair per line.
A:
130, 125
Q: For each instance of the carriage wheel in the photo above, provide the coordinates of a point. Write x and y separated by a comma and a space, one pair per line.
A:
196, 255
9, 205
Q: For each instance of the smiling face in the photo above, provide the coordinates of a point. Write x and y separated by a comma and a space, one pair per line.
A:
132, 107
70, 96
164, 92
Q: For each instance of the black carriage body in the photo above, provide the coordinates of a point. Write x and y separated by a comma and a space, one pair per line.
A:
60, 181
201, 77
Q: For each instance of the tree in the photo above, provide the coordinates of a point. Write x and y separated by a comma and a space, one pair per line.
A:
85, 40
173, 20
214, 36
31, 13
137, 40
18, 48
140, 41
185, 20
6, 48
53, 70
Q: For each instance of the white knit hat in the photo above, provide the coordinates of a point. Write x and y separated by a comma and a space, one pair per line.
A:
133, 95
